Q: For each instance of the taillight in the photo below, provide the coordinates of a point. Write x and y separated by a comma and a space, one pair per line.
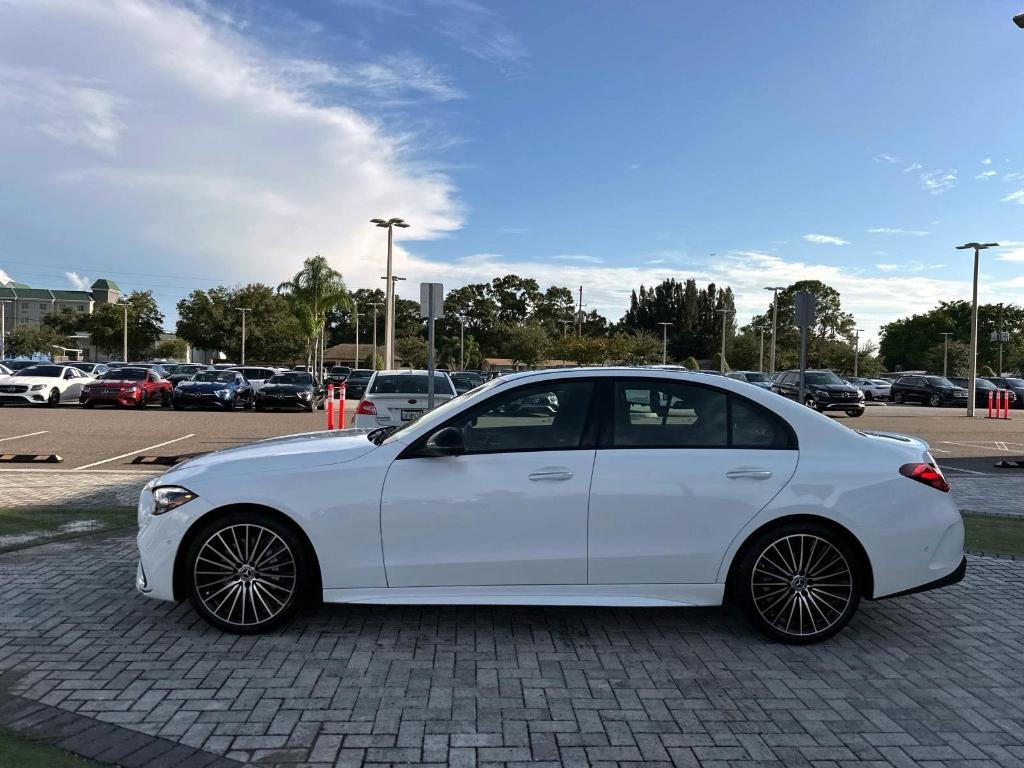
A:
366, 408
928, 474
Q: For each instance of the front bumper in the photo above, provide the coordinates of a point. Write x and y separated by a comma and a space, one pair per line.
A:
119, 399
853, 404
954, 577
283, 401
34, 398
199, 399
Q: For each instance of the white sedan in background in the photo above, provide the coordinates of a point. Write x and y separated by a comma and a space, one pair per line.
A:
587, 486
43, 384
873, 389
393, 398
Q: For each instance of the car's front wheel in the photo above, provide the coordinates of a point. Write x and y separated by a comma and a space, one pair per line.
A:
934, 401
810, 402
247, 572
897, 397
799, 583
53, 399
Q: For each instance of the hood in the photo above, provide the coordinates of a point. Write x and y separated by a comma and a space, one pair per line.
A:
116, 383
287, 388
205, 386
275, 455
30, 380
834, 387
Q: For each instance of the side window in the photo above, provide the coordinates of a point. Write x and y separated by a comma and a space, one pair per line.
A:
539, 418
666, 413
789, 378
754, 426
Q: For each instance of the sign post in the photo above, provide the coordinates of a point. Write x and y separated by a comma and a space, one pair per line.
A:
431, 307
804, 303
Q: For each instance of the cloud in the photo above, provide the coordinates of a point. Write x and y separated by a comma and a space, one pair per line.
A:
887, 267
897, 231
514, 230
1015, 197
908, 267
939, 181
579, 257
222, 152
987, 161
480, 32
1016, 176
5, 278
1015, 252
885, 157
78, 282
913, 167
633, 166
825, 240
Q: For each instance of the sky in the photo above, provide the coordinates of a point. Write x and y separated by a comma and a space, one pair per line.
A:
177, 145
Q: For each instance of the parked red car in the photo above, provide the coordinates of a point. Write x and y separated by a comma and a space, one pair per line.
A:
127, 387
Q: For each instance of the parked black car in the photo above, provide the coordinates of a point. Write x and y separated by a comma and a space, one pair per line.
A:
338, 375
823, 391
291, 389
981, 389
933, 390
463, 382
184, 372
355, 384
1015, 385
213, 388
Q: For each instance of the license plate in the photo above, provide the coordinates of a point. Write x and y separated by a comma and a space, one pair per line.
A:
409, 415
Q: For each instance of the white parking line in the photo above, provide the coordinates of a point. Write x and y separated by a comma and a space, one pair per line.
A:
30, 434
132, 453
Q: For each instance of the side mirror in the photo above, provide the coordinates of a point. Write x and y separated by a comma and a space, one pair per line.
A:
446, 442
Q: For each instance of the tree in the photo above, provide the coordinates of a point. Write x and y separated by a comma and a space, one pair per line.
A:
638, 348
718, 363
27, 340
145, 321
411, 351
65, 321
582, 350
696, 328
691, 363
313, 291
526, 344
171, 349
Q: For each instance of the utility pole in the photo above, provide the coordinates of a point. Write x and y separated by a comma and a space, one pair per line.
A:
243, 310
856, 350
375, 305
580, 313
972, 382
389, 303
664, 342
775, 323
356, 315
462, 342
725, 317
1000, 331
945, 353
760, 359
124, 350
565, 325
3, 327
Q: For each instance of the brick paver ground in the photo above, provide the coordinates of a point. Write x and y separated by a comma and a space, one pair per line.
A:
933, 680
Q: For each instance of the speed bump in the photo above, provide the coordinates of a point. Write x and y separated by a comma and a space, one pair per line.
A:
30, 458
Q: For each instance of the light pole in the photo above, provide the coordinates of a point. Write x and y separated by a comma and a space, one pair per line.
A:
664, 342
725, 317
760, 359
243, 310
124, 349
945, 353
356, 314
389, 302
565, 324
3, 327
856, 350
775, 323
462, 342
375, 305
973, 364
1019, 20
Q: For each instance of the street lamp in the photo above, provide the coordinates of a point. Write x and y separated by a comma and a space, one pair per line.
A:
1019, 20
664, 342
462, 342
775, 317
945, 352
243, 310
356, 314
760, 358
124, 305
725, 317
389, 304
973, 365
375, 305
856, 349
3, 327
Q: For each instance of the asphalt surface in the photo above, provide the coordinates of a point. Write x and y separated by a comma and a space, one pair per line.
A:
111, 438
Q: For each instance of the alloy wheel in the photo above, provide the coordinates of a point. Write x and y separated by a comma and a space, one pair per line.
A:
245, 575
802, 585
934, 401
53, 398
810, 402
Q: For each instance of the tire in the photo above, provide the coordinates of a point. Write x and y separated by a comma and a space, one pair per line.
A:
259, 407
249, 403
88, 404
272, 572
811, 403
178, 406
869, 396
165, 399
855, 414
53, 399
143, 400
934, 401
897, 397
776, 587
230, 404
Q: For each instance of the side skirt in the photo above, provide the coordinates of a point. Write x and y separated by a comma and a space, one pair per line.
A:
620, 595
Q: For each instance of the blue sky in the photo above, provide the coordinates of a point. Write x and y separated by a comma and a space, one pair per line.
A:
603, 143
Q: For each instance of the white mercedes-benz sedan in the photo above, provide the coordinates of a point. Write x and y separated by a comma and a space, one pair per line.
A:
587, 486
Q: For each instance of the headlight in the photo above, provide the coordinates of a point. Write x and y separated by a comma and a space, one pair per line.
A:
223, 392
37, 387
131, 390
305, 395
168, 497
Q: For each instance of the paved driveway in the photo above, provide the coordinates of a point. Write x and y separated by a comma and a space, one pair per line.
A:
931, 680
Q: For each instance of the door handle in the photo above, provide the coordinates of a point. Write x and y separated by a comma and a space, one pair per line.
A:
749, 474
551, 474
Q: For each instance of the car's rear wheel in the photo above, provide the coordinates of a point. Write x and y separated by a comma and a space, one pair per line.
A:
799, 583
855, 413
810, 402
934, 401
897, 397
53, 399
248, 572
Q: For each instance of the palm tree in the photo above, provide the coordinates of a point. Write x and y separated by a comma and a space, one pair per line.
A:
313, 291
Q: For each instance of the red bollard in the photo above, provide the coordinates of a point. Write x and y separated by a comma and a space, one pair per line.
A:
1006, 403
341, 406
990, 404
329, 404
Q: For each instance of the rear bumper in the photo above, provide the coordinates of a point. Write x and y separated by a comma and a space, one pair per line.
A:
954, 577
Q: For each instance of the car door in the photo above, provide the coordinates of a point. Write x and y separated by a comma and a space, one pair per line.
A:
512, 509
681, 468
73, 380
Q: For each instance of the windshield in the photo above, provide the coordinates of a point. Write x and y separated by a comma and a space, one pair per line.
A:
302, 379
360, 376
979, 383
1015, 382
445, 409
223, 376
125, 374
46, 371
822, 377
755, 376
340, 370
938, 381
408, 384
84, 366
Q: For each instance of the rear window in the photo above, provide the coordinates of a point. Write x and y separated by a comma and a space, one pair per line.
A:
360, 376
408, 384
48, 371
126, 374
